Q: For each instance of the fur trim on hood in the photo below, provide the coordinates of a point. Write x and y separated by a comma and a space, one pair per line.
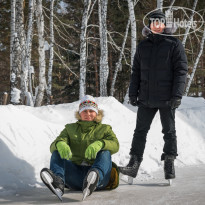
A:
99, 117
169, 31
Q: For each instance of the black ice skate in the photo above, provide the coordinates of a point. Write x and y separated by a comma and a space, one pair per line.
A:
53, 182
90, 182
132, 168
169, 170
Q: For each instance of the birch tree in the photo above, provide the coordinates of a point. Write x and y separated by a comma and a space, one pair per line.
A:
14, 71
189, 25
50, 67
195, 64
83, 58
12, 27
29, 43
133, 29
133, 35
41, 51
119, 63
200, 52
13, 49
104, 69
21, 35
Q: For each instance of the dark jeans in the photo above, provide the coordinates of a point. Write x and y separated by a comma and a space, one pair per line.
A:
145, 116
73, 174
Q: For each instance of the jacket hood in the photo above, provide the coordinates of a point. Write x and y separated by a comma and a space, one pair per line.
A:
169, 31
99, 117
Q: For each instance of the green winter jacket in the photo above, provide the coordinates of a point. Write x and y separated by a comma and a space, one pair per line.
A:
81, 134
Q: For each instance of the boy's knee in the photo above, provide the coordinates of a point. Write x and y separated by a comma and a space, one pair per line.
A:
55, 155
105, 153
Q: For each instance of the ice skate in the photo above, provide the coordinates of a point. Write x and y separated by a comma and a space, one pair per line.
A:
90, 183
131, 169
53, 182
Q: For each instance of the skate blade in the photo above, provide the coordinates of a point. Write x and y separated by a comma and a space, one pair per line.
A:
91, 180
86, 192
170, 182
127, 179
48, 179
130, 180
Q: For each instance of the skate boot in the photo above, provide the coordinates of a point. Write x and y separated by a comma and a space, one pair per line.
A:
132, 168
90, 182
169, 170
53, 182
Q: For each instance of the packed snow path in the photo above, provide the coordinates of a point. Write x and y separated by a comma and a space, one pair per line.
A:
188, 188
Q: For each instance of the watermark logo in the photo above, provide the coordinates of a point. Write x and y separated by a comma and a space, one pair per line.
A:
176, 18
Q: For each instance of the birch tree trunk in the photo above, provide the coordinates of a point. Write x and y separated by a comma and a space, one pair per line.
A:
95, 62
21, 36
96, 72
160, 4
195, 64
133, 36
14, 70
189, 26
50, 67
12, 27
13, 53
29, 43
83, 45
133, 29
119, 63
41, 51
104, 69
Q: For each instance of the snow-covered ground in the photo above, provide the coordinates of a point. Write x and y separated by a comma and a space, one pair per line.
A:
27, 132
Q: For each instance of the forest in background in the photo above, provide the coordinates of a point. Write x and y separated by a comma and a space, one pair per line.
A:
68, 15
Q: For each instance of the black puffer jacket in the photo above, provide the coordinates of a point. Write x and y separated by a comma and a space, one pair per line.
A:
159, 71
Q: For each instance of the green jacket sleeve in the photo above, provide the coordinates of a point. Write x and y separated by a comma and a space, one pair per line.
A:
110, 141
62, 137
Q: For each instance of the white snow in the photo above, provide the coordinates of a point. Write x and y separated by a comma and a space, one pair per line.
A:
15, 95
32, 69
46, 46
27, 132
13, 77
29, 100
63, 8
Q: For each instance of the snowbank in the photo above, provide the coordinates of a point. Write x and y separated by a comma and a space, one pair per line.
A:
27, 132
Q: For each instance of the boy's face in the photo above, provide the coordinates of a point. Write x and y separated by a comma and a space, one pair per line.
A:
157, 26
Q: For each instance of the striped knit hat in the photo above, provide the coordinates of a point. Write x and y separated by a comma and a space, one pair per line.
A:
88, 103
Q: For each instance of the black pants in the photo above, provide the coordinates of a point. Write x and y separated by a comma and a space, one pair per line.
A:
145, 116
